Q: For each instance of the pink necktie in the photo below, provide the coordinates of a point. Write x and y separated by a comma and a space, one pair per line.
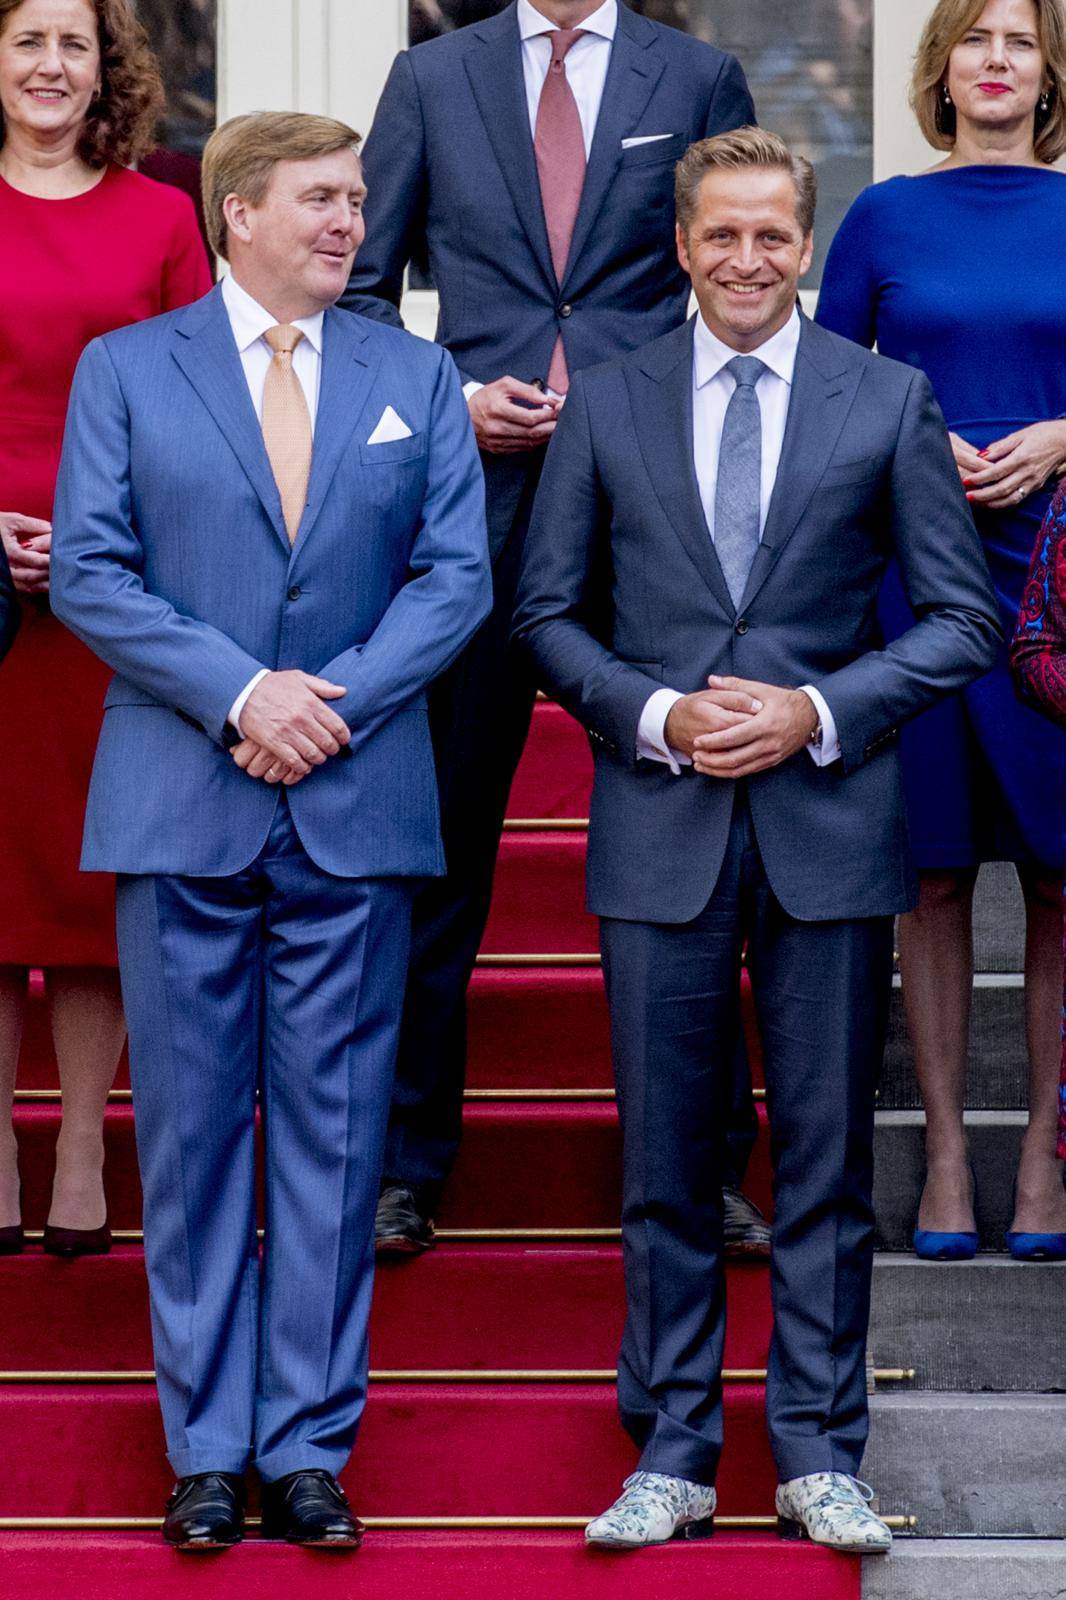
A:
560, 149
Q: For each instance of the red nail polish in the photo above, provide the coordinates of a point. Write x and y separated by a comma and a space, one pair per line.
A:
967, 483
982, 454
969, 497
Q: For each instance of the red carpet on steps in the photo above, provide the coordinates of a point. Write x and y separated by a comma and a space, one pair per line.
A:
523, 1164
495, 1307
423, 1566
424, 1450
507, 1448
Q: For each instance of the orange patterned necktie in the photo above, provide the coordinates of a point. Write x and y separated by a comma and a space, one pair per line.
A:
287, 426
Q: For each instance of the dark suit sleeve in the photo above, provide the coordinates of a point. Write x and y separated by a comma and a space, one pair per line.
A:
947, 584
395, 169
566, 583
9, 607
731, 103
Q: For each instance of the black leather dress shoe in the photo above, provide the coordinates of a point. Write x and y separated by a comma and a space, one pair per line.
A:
205, 1512
401, 1227
310, 1508
747, 1232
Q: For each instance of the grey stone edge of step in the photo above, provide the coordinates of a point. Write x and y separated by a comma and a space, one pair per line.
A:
968, 1569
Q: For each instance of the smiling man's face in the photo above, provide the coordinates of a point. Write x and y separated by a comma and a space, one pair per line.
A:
297, 246
745, 252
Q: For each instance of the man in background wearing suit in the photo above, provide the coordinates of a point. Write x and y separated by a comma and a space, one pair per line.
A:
706, 549
528, 159
270, 523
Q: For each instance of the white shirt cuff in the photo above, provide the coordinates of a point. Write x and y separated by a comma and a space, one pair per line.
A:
234, 718
471, 388
827, 749
651, 730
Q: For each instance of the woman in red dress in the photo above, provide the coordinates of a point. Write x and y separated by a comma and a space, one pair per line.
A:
88, 246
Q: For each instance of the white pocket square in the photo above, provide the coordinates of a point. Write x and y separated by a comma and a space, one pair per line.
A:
644, 138
390, 426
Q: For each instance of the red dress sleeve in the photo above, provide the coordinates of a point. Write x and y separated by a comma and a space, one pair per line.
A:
186, 270
1038, 651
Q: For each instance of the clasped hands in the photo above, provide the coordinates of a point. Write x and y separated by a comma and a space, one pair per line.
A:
1013, 467
735, 728
288, 727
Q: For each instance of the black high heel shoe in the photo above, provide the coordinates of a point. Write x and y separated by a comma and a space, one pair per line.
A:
13, 1240
72, 1242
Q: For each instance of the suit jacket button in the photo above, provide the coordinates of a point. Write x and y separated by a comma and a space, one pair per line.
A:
564, 311
295, 592
741, 625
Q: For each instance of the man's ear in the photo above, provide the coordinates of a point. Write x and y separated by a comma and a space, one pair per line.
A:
808, 254
235, 210
682, 248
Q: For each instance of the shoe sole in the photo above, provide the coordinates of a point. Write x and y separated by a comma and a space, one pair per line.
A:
740, 1250
202, 1546
796, 1532
398, 1244
692, 1530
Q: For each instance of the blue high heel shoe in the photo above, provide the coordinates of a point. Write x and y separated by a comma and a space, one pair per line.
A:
930, 1246
1037, 1246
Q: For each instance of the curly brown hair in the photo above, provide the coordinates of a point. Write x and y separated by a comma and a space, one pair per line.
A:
121, 122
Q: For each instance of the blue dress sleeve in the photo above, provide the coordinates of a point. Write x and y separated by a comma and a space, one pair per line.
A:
847, 301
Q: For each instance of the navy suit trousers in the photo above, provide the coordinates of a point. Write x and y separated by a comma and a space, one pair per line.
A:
285, 983
822, 993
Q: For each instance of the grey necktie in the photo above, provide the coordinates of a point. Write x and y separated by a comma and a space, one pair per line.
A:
738, 493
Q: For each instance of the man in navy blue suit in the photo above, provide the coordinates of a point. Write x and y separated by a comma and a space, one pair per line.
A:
529, 160
270, 522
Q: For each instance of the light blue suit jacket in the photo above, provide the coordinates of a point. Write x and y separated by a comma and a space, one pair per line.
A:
170, 560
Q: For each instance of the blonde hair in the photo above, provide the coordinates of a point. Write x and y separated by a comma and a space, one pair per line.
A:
736, 151
949, 21
241, 155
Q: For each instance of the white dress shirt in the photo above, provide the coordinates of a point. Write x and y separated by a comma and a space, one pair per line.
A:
712, 389
250, 322
587, 61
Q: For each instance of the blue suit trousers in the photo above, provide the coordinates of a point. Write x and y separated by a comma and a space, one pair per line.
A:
822, 992
282, 984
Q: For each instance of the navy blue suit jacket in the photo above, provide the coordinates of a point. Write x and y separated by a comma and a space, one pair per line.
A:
622, 593
171, 560
452, 178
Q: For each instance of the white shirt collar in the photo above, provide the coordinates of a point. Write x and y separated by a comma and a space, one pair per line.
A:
249, 321
778, 353
532, 22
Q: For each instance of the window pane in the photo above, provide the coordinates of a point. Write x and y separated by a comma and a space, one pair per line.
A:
809, 64
183, 37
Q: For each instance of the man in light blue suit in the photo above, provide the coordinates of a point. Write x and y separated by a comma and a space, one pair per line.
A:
270, 522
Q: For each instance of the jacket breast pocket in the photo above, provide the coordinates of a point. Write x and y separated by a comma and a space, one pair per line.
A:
655, 153
392, 451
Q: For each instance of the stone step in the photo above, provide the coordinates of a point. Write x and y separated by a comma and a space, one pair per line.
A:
968, 1569
998, 1069
966, 1464
899, 1171
937, 1317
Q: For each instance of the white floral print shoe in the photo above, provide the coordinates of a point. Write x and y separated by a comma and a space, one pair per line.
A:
652, 1509
832, 1509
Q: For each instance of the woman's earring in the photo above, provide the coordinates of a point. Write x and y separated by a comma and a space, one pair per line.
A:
945, 94
1045, 102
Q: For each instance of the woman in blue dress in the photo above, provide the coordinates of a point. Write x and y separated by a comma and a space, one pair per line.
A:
958, 271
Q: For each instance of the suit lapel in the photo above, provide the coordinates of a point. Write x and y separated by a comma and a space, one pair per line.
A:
631, 76
823, 388
206, 352
349, 366
494, 67
661, 396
